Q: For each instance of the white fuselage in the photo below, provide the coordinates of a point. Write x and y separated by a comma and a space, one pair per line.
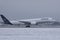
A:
32, 21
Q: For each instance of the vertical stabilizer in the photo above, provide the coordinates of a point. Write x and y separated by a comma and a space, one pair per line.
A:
5, 20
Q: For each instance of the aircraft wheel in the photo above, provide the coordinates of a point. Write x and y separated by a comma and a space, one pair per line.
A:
27, 26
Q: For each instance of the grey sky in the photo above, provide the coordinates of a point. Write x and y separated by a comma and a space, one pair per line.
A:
23, 9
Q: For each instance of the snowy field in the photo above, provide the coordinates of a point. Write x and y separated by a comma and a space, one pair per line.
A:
29, 33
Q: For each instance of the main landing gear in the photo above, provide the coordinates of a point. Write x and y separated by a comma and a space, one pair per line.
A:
28, 26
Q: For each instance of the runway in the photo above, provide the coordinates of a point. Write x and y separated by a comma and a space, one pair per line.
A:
31, 26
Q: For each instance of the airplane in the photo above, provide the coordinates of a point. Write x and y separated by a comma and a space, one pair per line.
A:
28, 22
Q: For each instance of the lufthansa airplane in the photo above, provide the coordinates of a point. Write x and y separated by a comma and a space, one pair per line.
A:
29, 22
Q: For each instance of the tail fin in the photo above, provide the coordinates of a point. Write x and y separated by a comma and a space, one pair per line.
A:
6, 21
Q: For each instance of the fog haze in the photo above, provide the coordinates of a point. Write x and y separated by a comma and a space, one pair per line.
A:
24, 9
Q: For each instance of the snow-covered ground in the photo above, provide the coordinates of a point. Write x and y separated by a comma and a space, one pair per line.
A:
29, 33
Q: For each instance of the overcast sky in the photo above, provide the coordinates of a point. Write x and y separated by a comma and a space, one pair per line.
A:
24, 9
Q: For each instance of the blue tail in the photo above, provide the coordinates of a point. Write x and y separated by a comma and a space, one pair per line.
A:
5, 20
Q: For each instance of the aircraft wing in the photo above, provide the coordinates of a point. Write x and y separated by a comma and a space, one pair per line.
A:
45, 22
49, 22
25, 22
